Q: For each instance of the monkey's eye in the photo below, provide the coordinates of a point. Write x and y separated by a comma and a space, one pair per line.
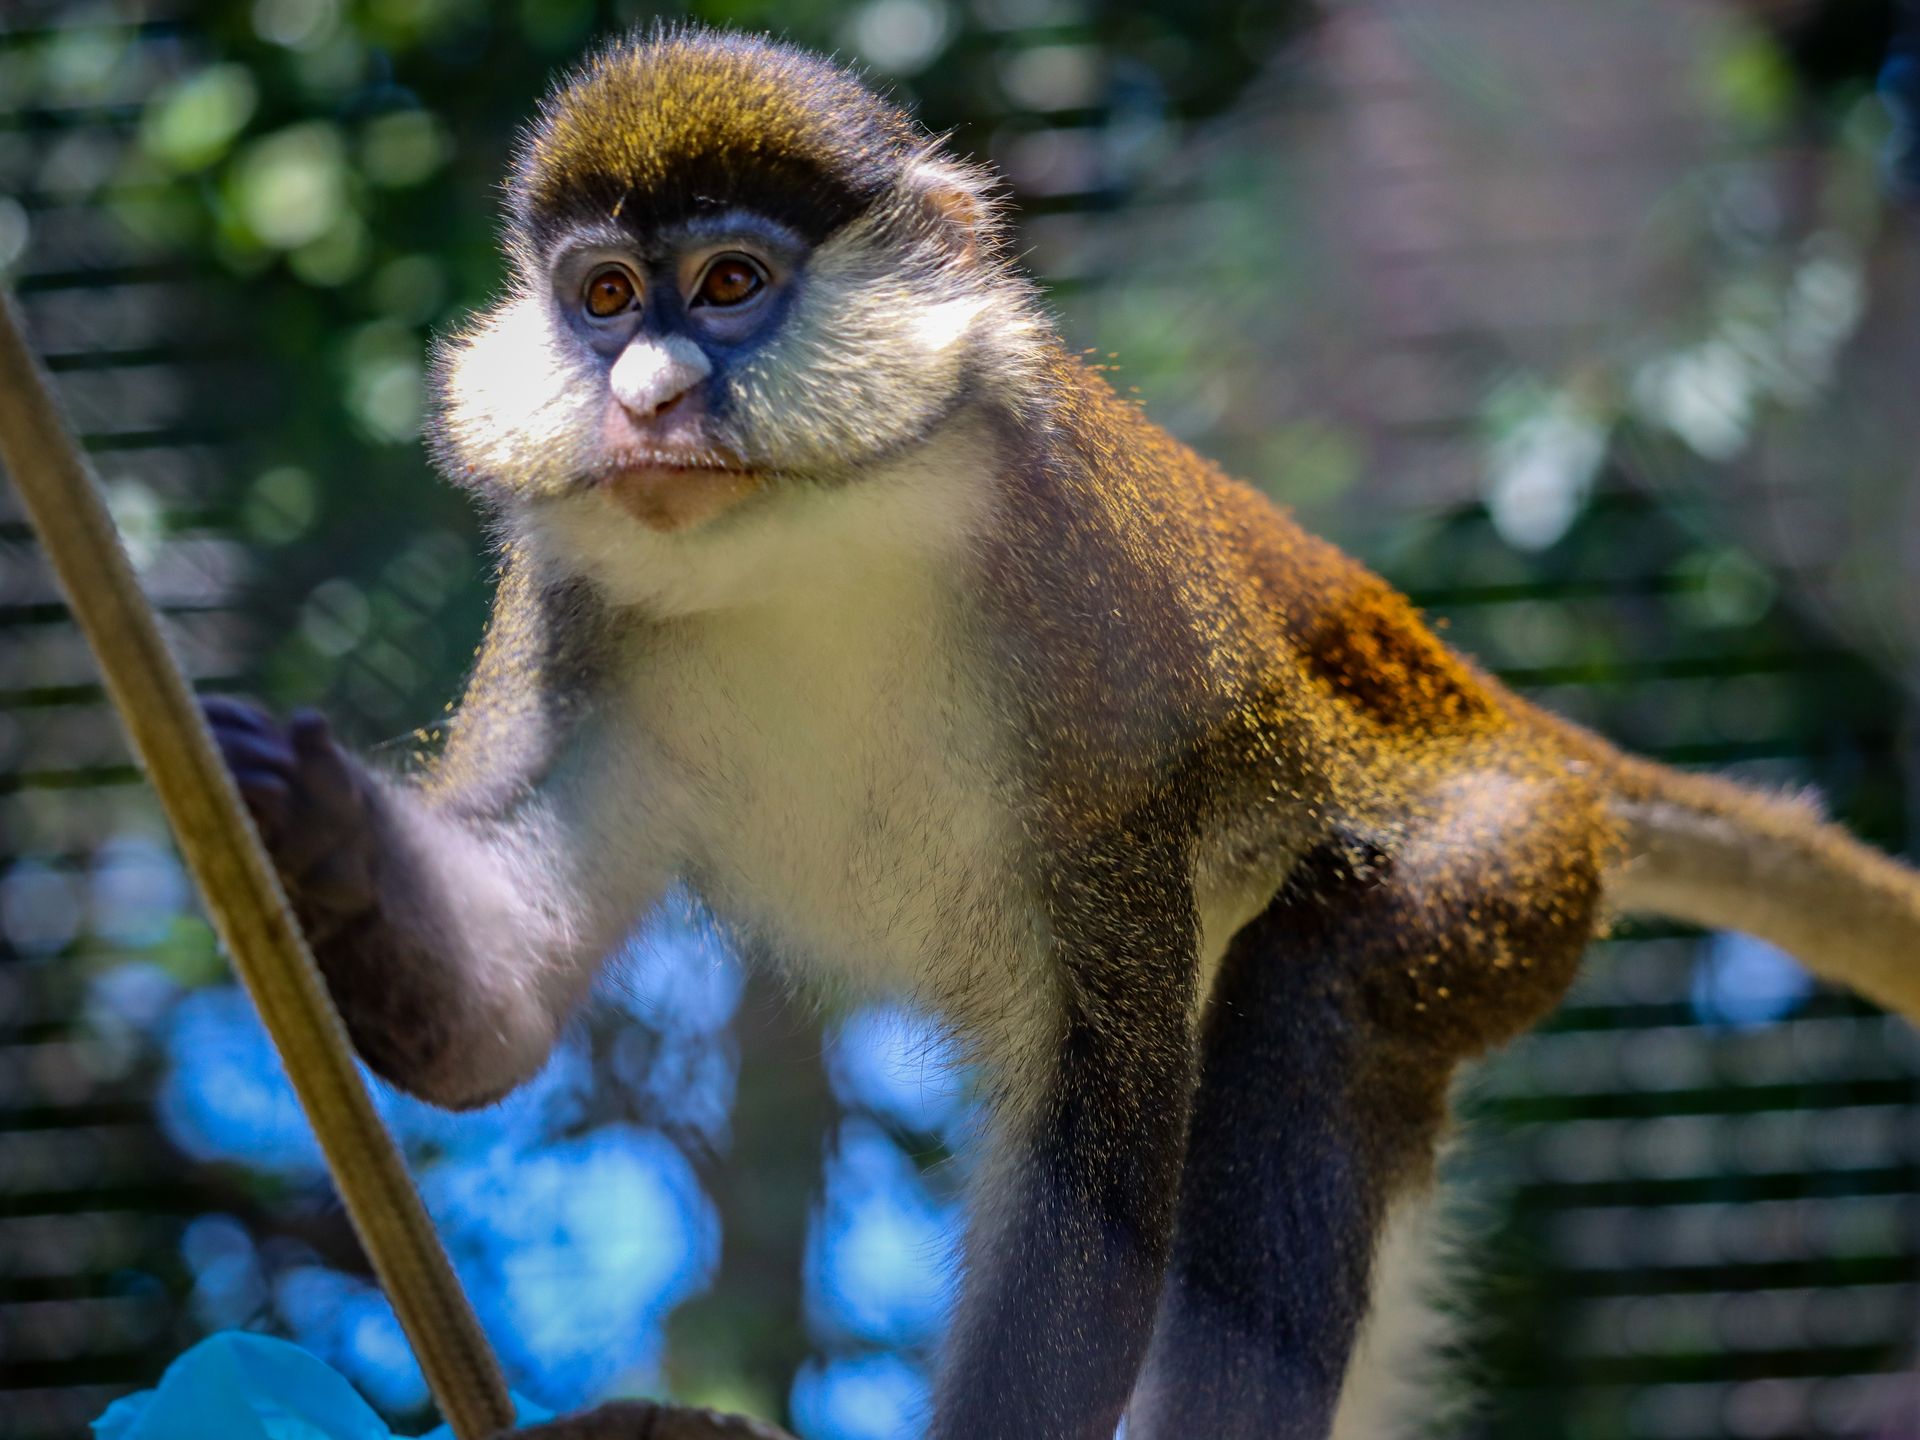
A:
730, 280
609, 290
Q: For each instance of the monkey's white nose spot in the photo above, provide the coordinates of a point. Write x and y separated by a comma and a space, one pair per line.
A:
652, 373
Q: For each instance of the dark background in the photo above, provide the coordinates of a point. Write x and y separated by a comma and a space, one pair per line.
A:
1596, 326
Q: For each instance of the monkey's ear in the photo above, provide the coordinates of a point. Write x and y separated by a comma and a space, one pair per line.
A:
956, 200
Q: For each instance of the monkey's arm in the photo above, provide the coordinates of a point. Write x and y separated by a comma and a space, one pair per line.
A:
459, 915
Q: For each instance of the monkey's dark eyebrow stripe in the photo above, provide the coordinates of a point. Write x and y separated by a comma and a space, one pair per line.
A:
807, 198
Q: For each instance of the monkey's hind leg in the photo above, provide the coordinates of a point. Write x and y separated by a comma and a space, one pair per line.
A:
1332, 1031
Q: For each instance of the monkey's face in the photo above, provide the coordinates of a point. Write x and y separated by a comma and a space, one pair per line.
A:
740, 278
652, 342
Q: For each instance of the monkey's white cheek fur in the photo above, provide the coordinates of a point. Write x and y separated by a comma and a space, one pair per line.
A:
863, 364
943, 326
520, 400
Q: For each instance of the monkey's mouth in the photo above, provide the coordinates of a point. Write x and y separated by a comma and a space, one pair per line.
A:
670, 490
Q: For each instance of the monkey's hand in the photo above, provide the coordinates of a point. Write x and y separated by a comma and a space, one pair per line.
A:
424, 940
321, 820
311, 801
646, 1420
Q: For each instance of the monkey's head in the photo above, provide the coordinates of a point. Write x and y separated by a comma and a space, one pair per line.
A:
737, 273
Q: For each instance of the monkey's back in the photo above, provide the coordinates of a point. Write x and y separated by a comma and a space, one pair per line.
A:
1284, 650
1302, 710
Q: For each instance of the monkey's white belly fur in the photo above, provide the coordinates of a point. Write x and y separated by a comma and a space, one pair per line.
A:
817, 762
820, 788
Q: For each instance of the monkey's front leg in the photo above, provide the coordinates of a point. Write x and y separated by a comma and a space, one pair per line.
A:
1072, 1222
365, 901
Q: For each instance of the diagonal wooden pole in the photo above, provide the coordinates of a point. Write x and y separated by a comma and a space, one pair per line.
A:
217, 837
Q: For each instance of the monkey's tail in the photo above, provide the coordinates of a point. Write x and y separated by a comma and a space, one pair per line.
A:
1704, 850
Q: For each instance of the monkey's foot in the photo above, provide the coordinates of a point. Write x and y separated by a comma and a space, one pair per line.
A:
645, 1420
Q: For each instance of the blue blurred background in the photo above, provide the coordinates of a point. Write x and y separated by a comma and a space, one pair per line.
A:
1597, 327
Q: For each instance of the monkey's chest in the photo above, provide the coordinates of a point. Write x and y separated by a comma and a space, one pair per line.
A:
829, 794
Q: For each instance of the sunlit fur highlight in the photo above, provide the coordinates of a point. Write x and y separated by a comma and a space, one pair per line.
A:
517, 397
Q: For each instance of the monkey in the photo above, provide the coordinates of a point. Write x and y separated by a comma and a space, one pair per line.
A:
835, 589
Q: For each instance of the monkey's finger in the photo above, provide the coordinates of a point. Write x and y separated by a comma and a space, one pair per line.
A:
230, 712
326, 774
269, 799
249, 750
310, 731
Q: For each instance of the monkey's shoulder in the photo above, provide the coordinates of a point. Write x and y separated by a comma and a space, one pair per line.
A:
1282, 603
1342, 628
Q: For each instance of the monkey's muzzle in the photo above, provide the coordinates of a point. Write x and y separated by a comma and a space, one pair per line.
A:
668, 495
